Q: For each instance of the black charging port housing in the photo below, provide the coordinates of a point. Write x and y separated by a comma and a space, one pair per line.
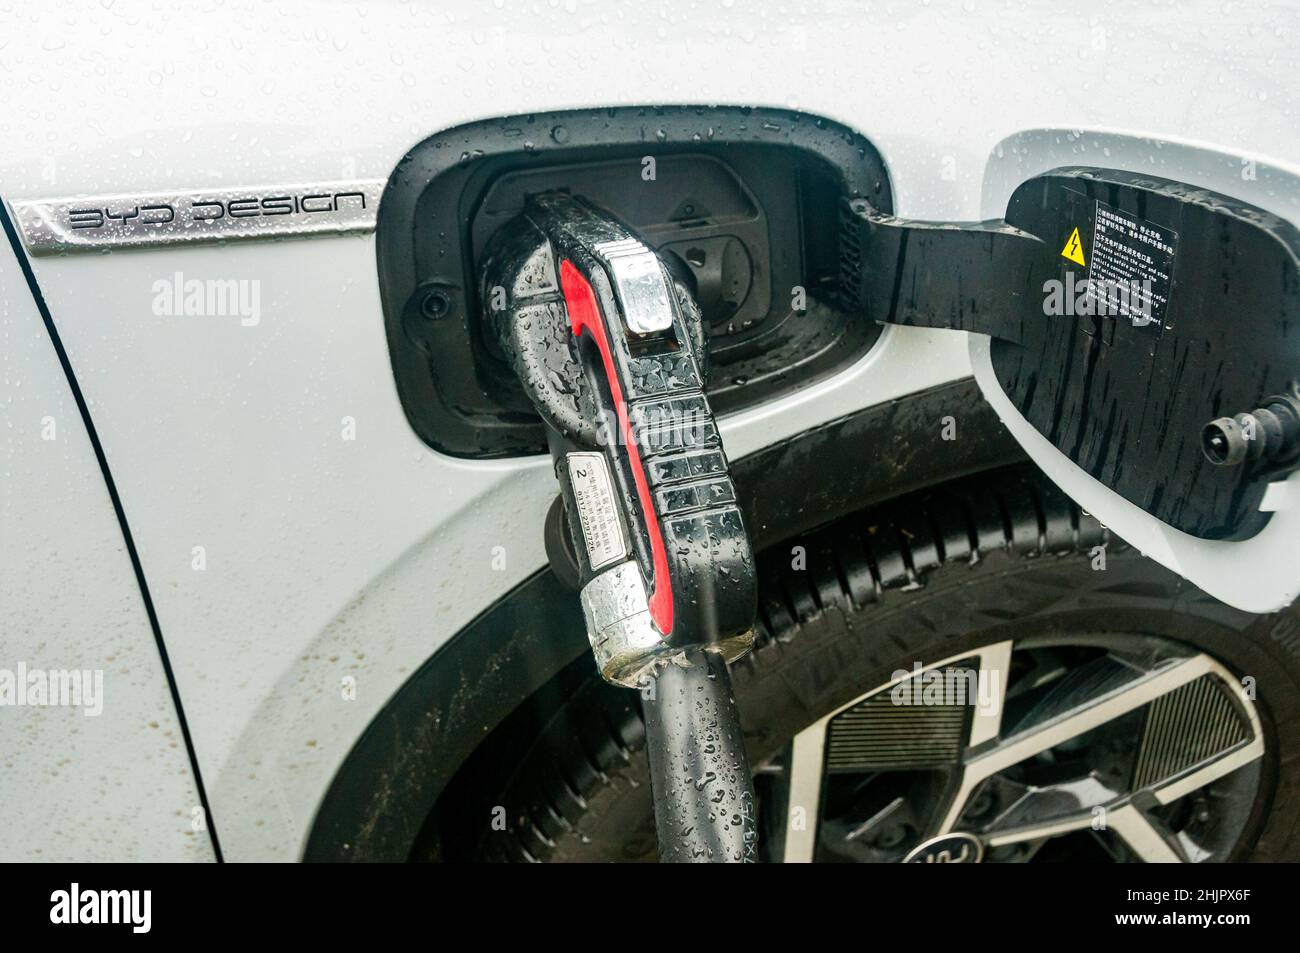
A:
741, 202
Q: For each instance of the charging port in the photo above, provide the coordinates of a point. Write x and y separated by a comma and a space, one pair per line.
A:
740, 203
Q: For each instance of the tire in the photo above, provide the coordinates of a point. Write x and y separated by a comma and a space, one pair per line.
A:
926, 577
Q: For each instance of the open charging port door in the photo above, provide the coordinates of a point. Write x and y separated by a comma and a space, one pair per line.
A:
1140, 338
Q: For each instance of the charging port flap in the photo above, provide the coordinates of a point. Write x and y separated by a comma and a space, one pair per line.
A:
1140, 338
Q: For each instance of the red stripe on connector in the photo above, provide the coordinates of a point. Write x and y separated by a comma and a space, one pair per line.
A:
584, 314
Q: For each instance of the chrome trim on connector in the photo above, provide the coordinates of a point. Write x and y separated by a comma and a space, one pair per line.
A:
623, 637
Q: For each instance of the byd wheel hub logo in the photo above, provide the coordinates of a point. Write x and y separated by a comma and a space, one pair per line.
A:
947, 849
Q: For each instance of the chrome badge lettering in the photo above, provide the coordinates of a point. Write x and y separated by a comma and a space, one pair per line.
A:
54, 226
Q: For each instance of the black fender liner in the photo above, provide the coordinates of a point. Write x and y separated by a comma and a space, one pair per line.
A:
392, 778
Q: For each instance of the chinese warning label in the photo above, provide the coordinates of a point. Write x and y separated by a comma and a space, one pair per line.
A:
597, 510
1131, 265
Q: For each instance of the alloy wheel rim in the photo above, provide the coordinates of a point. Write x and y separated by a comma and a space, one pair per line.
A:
1145, 746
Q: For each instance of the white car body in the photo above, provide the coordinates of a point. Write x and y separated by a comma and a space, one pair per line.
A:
304, 550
